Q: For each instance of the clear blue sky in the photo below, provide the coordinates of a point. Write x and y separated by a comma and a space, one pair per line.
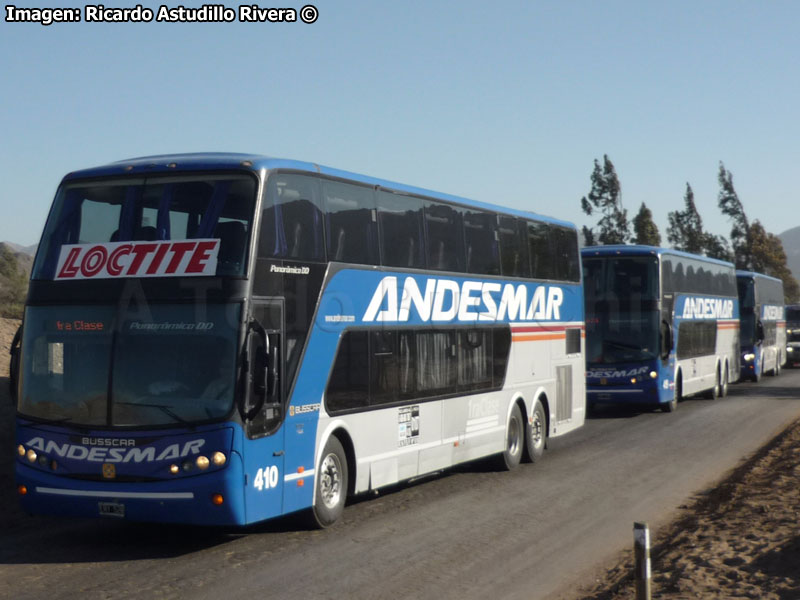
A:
507, 102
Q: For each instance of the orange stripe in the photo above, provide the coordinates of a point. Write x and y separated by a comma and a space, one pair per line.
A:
536, 338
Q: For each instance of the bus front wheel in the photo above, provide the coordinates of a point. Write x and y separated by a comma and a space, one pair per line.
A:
330, 492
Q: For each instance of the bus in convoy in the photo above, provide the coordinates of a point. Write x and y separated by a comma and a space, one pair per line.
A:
226, 338
763, 324
660, 325
793, 335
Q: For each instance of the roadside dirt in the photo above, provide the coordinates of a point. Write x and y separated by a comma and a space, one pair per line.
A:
738, 540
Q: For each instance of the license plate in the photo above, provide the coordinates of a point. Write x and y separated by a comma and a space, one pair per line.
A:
111, 509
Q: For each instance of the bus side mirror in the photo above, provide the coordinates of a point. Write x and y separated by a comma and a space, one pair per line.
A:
13, 367
666, 340
257, 361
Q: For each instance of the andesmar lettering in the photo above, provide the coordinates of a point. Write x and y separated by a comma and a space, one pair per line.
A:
708, 308
772, 312
446, 300
105, 450
138, 259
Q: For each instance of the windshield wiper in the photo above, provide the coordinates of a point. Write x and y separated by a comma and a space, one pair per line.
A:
165, 409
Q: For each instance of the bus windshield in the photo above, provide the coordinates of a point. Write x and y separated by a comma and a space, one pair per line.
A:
112, 211
89, 366
747, 314
622, 318
793, 323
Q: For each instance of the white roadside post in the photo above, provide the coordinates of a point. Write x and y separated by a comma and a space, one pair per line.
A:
641, 552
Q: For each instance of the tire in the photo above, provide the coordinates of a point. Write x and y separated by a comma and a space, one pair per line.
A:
535, 434
515, 441
714, 392
330, 490
777, 370
672, 405
723, 390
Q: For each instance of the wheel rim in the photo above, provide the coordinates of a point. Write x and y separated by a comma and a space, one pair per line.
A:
330, 483
537, 430
514, 436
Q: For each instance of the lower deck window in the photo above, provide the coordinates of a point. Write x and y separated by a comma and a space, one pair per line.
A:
376, 368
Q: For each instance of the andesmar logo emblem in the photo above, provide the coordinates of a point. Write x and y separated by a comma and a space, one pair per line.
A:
707, 308
446, 300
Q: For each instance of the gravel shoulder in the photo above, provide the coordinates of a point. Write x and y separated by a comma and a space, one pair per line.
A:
737, 540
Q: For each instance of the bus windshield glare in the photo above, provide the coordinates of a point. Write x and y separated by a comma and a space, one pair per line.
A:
622, 316
86, 365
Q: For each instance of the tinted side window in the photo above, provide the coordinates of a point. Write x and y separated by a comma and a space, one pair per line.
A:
348, 386
401, 223
541, 253
374, 369
696, 338
512, 233
480, 238
351, 223
292, 221
445, 241
567, 259
475, 359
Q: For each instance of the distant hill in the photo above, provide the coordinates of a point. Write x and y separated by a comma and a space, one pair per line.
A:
17, 249
23, 254
791, 245
15, 268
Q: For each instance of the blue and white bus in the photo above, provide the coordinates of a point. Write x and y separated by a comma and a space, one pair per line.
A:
793, 335
224, 338
763, 324
660, 325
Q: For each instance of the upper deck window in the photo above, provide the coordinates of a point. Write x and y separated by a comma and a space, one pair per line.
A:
152, 209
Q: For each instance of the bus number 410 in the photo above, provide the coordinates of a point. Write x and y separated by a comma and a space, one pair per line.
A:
266, 478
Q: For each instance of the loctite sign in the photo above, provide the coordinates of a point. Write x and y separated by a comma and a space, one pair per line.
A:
180, 258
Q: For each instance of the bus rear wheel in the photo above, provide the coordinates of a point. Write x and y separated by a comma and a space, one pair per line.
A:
330, 491
723, 390
535, 433
515, 440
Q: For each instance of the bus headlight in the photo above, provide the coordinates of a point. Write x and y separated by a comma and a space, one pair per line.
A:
31, 455
174, 469
218, 458
789, 349
21, 450
653, 374
749, 357
202, 463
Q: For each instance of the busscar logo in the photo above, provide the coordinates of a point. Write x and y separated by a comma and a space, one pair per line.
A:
447, 300
304, 409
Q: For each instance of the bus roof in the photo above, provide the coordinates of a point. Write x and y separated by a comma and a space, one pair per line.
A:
634, 250
204, 161
754, 275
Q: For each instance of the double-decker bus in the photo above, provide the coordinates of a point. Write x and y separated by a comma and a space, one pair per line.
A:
224, 338
763, 325
793, 335
660, 325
